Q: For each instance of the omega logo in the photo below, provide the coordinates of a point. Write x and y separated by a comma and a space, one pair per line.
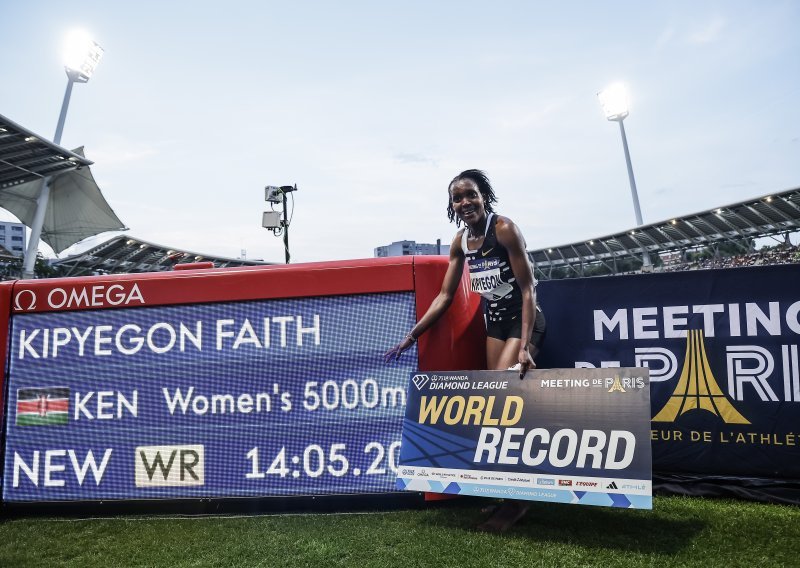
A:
95, 296
19, 303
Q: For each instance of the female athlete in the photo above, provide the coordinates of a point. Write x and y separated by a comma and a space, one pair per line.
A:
499, 270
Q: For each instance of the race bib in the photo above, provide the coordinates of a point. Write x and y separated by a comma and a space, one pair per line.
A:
484, 277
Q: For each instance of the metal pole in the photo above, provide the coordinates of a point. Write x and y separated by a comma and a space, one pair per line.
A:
64, 106
44, 193
646, 264
632, 181
285, 229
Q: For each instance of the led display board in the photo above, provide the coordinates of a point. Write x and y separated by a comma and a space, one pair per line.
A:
278, 397
120, 390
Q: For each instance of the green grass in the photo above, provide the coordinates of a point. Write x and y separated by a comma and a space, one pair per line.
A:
680, 531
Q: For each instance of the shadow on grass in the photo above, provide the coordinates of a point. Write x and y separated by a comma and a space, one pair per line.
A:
647, 532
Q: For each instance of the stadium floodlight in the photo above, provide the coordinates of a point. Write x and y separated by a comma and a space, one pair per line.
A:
81, 56
615, 102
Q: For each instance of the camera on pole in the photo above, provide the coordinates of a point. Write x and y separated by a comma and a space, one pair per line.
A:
278, 221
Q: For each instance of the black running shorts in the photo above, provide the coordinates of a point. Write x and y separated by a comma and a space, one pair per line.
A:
512, 328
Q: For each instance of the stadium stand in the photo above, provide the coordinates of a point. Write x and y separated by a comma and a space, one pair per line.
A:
780, 254
736, 225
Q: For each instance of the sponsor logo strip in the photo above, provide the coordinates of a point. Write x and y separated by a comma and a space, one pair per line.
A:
627, 501
519, 480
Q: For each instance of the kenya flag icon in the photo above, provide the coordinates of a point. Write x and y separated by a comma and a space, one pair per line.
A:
42, 407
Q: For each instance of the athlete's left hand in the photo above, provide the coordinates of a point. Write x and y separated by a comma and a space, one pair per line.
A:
395, 352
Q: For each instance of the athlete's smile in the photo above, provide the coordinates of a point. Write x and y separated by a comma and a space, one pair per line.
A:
467, 201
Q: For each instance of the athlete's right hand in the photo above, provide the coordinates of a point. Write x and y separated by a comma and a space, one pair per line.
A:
524, 363
395, 352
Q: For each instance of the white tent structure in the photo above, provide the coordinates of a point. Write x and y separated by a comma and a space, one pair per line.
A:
76, 208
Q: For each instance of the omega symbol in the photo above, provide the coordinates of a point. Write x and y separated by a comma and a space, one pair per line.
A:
18, 304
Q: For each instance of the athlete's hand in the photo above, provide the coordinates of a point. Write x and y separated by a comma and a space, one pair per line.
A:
395, 352
524, 362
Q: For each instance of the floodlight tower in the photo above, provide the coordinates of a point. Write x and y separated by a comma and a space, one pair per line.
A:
614, 100
81, 56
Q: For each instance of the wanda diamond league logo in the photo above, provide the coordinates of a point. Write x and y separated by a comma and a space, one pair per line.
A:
420, 381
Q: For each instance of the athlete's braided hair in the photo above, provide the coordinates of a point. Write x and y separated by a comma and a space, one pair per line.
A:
480, 179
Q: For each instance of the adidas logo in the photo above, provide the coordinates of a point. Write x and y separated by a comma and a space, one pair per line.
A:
612, 485
420, 381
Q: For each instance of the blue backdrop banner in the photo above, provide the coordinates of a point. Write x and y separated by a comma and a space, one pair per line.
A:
246, 399
561, 435
722, 348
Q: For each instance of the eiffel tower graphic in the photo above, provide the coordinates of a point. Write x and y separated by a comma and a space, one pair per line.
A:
697, 387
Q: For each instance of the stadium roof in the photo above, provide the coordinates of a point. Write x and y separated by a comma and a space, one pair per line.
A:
26, 156
773, 214
125, 254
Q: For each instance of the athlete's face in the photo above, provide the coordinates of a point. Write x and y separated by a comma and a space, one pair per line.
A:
467, 201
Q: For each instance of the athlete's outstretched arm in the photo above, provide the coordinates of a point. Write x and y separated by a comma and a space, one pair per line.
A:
509, 235
439, 305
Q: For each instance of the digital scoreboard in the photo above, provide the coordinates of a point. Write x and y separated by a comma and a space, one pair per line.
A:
153, 399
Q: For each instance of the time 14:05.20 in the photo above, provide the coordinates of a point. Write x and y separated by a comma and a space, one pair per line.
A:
316, 461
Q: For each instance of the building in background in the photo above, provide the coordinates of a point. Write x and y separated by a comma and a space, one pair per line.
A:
411, 248
12, 237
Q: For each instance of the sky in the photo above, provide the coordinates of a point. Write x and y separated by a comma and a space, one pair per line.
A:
371, 108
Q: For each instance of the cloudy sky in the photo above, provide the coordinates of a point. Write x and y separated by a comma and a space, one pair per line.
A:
372, 107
